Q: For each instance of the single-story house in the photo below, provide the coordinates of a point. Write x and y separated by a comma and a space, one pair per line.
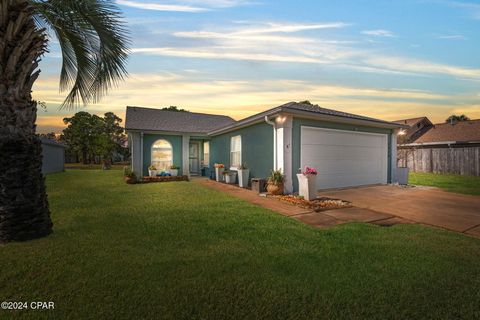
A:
53, 156
347, 149
450, 147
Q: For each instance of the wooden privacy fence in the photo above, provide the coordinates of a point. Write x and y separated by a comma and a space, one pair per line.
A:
464, 161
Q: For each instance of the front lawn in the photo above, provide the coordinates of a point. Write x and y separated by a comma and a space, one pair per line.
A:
179, 251
449, 182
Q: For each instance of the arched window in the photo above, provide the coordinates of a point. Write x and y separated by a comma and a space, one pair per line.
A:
162, 154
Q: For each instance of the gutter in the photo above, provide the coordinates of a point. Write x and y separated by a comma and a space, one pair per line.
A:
274, 126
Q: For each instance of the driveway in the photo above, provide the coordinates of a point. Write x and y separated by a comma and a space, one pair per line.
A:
430, 206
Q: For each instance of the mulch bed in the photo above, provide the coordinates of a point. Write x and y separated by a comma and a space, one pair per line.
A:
163, 179
318, 204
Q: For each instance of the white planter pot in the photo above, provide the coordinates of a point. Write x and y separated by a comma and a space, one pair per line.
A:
152, 173
219, 174
307, 186
231, 177
402, 175
173, 172
243, 178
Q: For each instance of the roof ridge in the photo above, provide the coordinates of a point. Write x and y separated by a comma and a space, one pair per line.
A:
201, 113
456, 122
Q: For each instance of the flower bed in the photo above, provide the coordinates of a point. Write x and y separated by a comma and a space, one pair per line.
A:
163, 179
318, 204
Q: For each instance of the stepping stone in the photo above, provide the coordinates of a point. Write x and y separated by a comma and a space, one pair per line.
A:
357, 214
318, 220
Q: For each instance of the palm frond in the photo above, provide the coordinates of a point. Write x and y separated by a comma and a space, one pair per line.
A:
94, 43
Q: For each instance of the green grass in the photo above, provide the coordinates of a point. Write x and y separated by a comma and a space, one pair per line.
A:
179, 251
449, 182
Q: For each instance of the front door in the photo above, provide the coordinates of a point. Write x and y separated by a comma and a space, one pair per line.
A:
194, 158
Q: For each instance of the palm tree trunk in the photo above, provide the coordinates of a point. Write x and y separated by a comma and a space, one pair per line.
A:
24, 212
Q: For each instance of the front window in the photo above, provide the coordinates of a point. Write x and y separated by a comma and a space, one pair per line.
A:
235, 152
162, 155
206, 154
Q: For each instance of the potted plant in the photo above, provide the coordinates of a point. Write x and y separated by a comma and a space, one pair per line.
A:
152, 171
173, 170
307, 183
129, 176
243, 174
219, 168
275, 182
230, 176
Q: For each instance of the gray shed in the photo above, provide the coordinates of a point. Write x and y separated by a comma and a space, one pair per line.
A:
53, 156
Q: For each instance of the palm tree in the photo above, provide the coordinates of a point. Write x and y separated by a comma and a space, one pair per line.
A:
454, 118
94, 45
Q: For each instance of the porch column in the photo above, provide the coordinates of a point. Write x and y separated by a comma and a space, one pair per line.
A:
393, 156
135, 141
186, 155
284, 149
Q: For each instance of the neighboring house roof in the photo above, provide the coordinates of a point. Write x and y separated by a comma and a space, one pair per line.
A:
52, 143
462, 131
410, 122
417, 127
138, 118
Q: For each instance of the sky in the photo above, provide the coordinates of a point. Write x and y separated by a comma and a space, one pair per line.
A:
380, 58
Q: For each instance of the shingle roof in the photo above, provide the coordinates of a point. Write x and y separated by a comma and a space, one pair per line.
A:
52, 142
462, 131
410, 122
139, 118
330, 112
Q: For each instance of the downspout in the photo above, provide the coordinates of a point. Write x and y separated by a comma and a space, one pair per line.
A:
274, 141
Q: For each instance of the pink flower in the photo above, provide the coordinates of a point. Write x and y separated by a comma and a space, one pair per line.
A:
309, 171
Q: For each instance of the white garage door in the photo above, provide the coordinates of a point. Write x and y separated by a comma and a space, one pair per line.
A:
344, 158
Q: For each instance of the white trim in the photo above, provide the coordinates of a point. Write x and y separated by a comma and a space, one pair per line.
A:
393, 156
238, 136
283, 149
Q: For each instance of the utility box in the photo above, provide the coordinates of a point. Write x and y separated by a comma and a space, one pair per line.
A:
258, 185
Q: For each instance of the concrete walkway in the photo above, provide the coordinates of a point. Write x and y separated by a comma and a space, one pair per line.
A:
430, 206
322, 219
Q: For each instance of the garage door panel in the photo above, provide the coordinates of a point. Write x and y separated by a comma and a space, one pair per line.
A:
344, 158
322, 152
348, 167
340, 181
337, 137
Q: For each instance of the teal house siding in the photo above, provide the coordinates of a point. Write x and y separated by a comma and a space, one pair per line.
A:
257, 149
175, 141
296, 141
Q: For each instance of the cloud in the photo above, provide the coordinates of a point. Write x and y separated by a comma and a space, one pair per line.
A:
247, 97
423, 67
160, 7
183, 6
378, 33
473, 9
451, 37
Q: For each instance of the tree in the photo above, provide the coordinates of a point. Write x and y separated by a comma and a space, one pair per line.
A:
82, 133
112, 138
174, 108
92, 136
50, 136
455, 118
94, 46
